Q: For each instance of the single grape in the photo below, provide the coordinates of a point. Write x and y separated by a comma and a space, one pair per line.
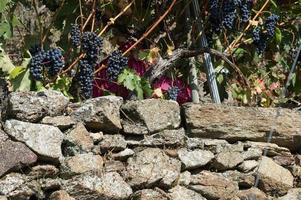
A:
116, 64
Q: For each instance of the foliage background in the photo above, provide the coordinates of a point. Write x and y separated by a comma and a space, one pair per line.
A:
25, 23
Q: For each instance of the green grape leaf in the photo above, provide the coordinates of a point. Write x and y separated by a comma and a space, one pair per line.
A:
22, 82
16, 72
3, 4
147, 89
5, 29
239, 52
278, 35
6, 64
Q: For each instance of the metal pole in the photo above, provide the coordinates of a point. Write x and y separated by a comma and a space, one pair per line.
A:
207, 58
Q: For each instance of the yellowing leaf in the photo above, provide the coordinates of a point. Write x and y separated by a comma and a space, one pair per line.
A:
153, 55
254, 22
158, 93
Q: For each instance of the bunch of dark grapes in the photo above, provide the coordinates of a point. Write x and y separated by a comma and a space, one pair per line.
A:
116, 64
91, 45
75, 35
35, 67
229, 13
173, 93
260, 37
51, 59
245, 10
54, 61
215, 17
270, 25
259, 40
85, 77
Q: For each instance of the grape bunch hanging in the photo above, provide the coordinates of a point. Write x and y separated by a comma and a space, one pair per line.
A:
91, 45
49, 62
262, 34
224, 14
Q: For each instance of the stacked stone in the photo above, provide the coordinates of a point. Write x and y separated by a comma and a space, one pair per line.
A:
105, 148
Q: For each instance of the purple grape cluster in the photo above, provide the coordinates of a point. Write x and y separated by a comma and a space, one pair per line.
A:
91, 45
214, 17
173, 93
270, 25
259, 40
36, 68
261, 37
52, 60
245, 10
229, 13
116, 64
75, 35
223, 14
85, 77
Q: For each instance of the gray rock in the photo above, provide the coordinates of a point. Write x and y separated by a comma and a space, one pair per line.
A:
195, 158
79, 140
235, 123
60, 195
11, 182
149, 194
180, 193
44, 140
248, 165
292, 194
150, 166
252, 194
114, 166
252, 153
244, 180
165, 138
284, 161
15, 155
15, 186
123, 155
80, 164
33, 106
43, 171
101, 114
185, 178
272, 149
113, 143
3, 136
273, 177
213, 186
109, 186
62, 122
227, 160
150, 115
96, 137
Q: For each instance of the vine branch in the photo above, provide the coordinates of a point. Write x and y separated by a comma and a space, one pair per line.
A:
152, 28
233, 44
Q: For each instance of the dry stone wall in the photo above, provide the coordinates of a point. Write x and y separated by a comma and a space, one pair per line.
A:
105, 148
